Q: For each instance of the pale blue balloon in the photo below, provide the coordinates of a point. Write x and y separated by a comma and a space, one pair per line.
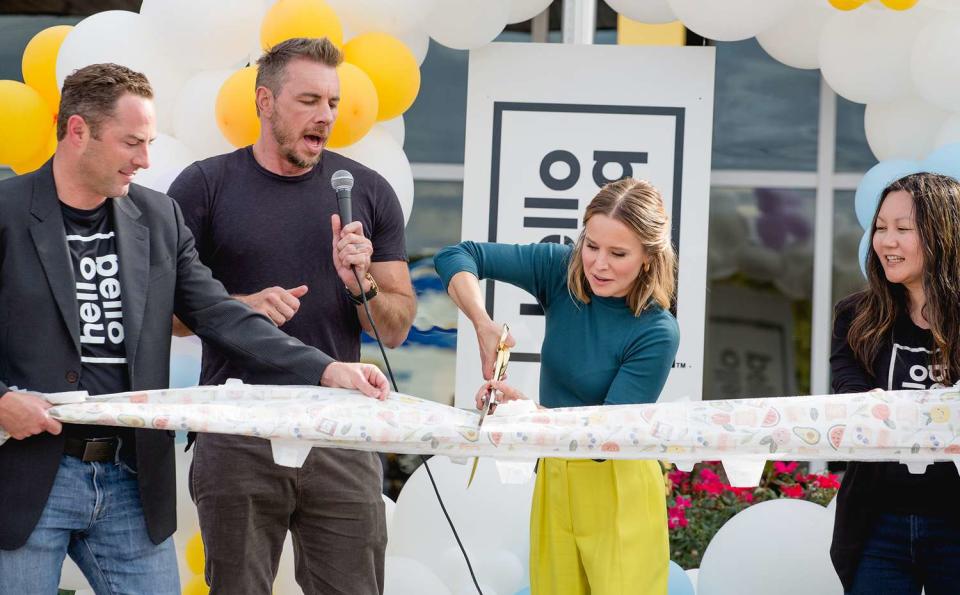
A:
875, 181
184, 371
679, 583
523, 591
945, 160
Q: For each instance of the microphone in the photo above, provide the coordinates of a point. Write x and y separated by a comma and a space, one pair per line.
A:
342, 182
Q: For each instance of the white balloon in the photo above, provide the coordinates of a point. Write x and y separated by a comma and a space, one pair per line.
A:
253, 43
195, 119
402, 576
795, 40
693, 575
524, 10
206, 35
644, 11
417, 41
936, 70
731, 20
762, 544
389, 506
71, 579
451, 566
946, 5
387, 16
510, 575
168, 157
188, 524
379, 151
467, 24
905, 129
468, 588
949, 131
124, 37
285, 582
865, 53
395, 127
420, 531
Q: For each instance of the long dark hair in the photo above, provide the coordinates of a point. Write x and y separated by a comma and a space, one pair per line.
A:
936, 206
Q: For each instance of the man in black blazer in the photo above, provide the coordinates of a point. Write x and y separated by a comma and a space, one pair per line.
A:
92, 268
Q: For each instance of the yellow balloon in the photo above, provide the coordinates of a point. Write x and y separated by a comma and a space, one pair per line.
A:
34, 162
300, 18
357, 112
899, 4
25, 121
391, 67
236, 108
194, 554
39, 63
847, 4
196, 586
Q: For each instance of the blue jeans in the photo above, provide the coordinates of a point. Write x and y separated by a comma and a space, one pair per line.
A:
94, 514
907, 553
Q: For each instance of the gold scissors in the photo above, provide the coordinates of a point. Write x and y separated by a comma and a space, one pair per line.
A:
499, 372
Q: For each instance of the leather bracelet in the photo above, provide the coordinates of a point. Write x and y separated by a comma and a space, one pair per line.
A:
358, 299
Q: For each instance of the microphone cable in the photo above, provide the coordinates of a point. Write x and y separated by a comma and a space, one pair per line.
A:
393, 381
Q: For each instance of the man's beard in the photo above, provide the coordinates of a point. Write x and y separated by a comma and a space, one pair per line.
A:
283, 140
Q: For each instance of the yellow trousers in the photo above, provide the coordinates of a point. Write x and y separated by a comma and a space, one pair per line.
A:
599, 528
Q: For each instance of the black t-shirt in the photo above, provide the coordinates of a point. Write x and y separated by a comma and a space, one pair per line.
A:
256, 229
92, 244
904, 363
868, 489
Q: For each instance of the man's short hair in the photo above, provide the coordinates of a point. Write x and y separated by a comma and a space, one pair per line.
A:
272, 64
92, 92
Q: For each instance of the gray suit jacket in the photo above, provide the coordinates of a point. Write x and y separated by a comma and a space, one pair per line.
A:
160, 275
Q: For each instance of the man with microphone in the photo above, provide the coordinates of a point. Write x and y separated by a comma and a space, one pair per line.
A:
266, 222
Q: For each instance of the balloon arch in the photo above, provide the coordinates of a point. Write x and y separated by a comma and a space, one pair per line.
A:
895, 56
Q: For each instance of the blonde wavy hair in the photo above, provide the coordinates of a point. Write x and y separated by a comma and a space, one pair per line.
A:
639, 206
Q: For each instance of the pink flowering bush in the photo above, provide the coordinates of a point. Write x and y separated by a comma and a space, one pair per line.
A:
699, 503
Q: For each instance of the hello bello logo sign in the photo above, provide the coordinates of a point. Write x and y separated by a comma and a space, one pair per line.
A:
547, 125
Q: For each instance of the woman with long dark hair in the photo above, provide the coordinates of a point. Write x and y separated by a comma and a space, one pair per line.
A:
896, 532
597, 526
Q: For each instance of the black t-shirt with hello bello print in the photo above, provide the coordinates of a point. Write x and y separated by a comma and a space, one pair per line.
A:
96, 267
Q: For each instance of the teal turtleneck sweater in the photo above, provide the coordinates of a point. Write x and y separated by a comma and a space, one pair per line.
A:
593, 354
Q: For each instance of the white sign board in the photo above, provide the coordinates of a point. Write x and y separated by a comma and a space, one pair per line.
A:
547, 125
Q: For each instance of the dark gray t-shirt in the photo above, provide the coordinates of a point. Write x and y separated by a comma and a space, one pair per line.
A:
256, 229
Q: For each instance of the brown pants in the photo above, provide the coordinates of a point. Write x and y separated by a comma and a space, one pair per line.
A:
246, 503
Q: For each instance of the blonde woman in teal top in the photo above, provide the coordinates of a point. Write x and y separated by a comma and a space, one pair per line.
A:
597, 527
